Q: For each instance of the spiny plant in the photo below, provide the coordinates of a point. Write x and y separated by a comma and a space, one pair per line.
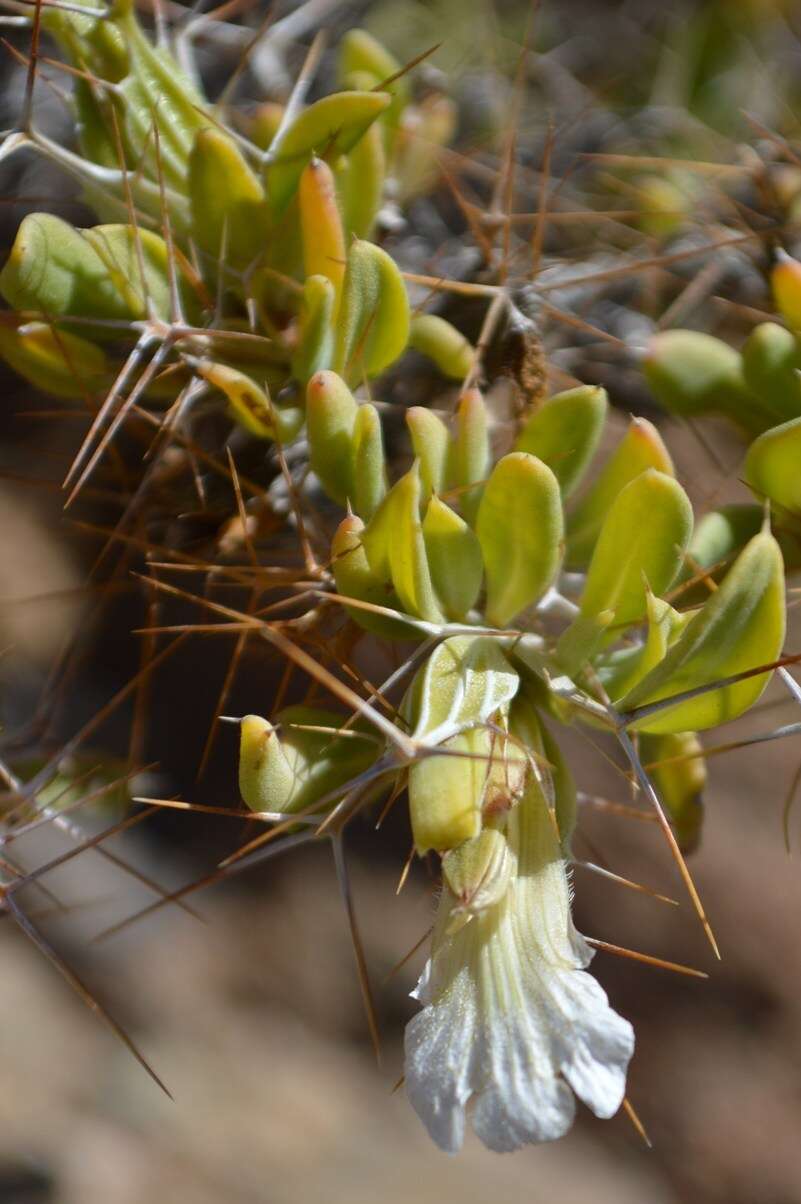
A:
234, 270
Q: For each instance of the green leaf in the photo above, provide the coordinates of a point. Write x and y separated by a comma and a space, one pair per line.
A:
330, 417
356, 579
315, 347
431, 444
676, 766
229, 212
692, 373
443, 343
625, 667
373, 326
564, 433
361, 53
55, 361
286, 768
55, 270
640, 448
722, 533
250, 405
328, 128
519, 527
642, 543
771, 363
739, 628
360, 183
454, 559
367, 454
463, 683
469, 456
394, 541
773, 466
581, 640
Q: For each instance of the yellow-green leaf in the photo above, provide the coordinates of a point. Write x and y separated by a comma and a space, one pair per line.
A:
519, 527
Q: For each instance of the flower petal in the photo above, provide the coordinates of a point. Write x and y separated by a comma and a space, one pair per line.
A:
511, 1017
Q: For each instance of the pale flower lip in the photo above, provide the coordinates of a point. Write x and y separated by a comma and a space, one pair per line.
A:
511, 1018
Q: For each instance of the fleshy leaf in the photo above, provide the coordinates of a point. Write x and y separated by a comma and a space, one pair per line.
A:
640, 448
229, 212
321, 226
373, 326
330, 418
454, 558
431, 444
641, 543
469, 456
519, 527
441, 342
771, 363
329, 127
773, 466
55, 361
564, 433
739, 628
286, 768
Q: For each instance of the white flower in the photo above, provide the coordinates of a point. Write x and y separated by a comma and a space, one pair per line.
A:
511, 1018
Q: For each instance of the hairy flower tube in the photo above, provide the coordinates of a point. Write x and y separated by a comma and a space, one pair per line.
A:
511, 1019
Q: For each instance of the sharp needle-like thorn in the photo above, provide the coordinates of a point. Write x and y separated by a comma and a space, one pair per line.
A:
646, 890
647, 958
81, 989
639, 1127
678, 856
358, 949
